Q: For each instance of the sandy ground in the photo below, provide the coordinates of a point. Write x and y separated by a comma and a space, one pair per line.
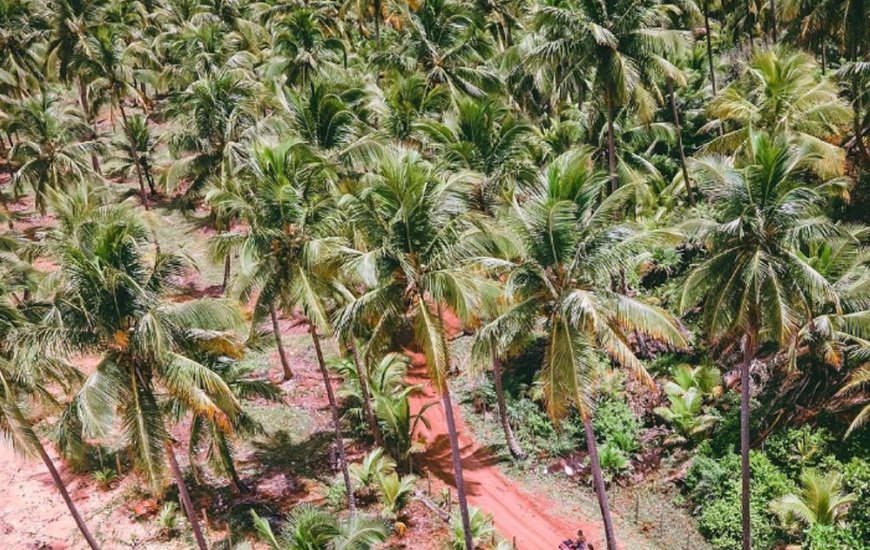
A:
525, 519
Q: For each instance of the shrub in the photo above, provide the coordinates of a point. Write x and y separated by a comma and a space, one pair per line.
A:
482, 529
613, 461
105, 477
796, 449
535, 430
830, 537
375, 464
614, 423
715, 487
395, 493
167, 520
856, 479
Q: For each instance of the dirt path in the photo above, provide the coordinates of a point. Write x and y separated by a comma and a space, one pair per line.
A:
517, 515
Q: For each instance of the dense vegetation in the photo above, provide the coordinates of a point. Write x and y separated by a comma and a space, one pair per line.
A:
650, 219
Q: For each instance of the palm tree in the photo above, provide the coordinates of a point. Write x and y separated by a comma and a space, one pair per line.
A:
485, 137
108, 63
573, 246
821, 501
52, 148
302, 49
111, 300
286, 252
419, 238
147, 145
207, 434
23, 377
613, 50
781, 93
754, 285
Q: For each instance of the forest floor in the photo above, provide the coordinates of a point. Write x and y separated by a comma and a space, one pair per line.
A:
291, 463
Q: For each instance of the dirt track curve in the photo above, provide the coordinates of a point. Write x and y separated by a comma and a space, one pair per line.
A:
527, 519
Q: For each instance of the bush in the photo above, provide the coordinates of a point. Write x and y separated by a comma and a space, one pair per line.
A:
613, 461
856, 479
482, 529
795, 449
830, 537
535, 430
614, 423
714, 485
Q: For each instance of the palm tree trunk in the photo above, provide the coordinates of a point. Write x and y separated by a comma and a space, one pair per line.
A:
773, 19
227, 459
611, 145
512, 444
134, 152
83, 102
598, 481
447, 403
333, 407
377, 7
679, 130
61, 487
185, 497
364, 389
748, 356
452, 435
709, 50
279, 340
227, 271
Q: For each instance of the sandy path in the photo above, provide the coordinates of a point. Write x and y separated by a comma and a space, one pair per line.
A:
516, 514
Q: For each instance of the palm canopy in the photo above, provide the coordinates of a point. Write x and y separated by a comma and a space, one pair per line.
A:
53, 150
755, 279
109, 297
572, 247
615, 49
781, 93
287, 249
419, 237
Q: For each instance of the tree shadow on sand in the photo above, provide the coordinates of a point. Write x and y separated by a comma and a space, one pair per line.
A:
279, 452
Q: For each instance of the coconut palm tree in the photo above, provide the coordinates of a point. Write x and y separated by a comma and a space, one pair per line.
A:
309, 527
485, 137
782, 94
612, 50
286, 253
573, 246
820, 502
148, 151
109, 298
24, 375
52, 148
303, 51
420, 236
754, 286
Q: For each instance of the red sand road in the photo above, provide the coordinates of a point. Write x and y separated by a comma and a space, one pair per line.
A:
516, 514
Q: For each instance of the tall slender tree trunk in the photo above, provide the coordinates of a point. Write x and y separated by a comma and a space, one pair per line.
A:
611, 145
185, 497
858, 107
679, 129
773, 21
362, 374
333, 407
709, 50
279, 340
824, 59
228, 268
453, 436
749, 349
377, 7
447, 404
134, 152
598, 481
89, 119
512, 444
227, 459
61, 487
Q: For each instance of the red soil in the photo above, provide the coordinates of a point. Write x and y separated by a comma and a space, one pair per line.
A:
527, 519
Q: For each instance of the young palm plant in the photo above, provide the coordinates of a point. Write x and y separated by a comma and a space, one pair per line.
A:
109, 297
754, 285
573, 247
